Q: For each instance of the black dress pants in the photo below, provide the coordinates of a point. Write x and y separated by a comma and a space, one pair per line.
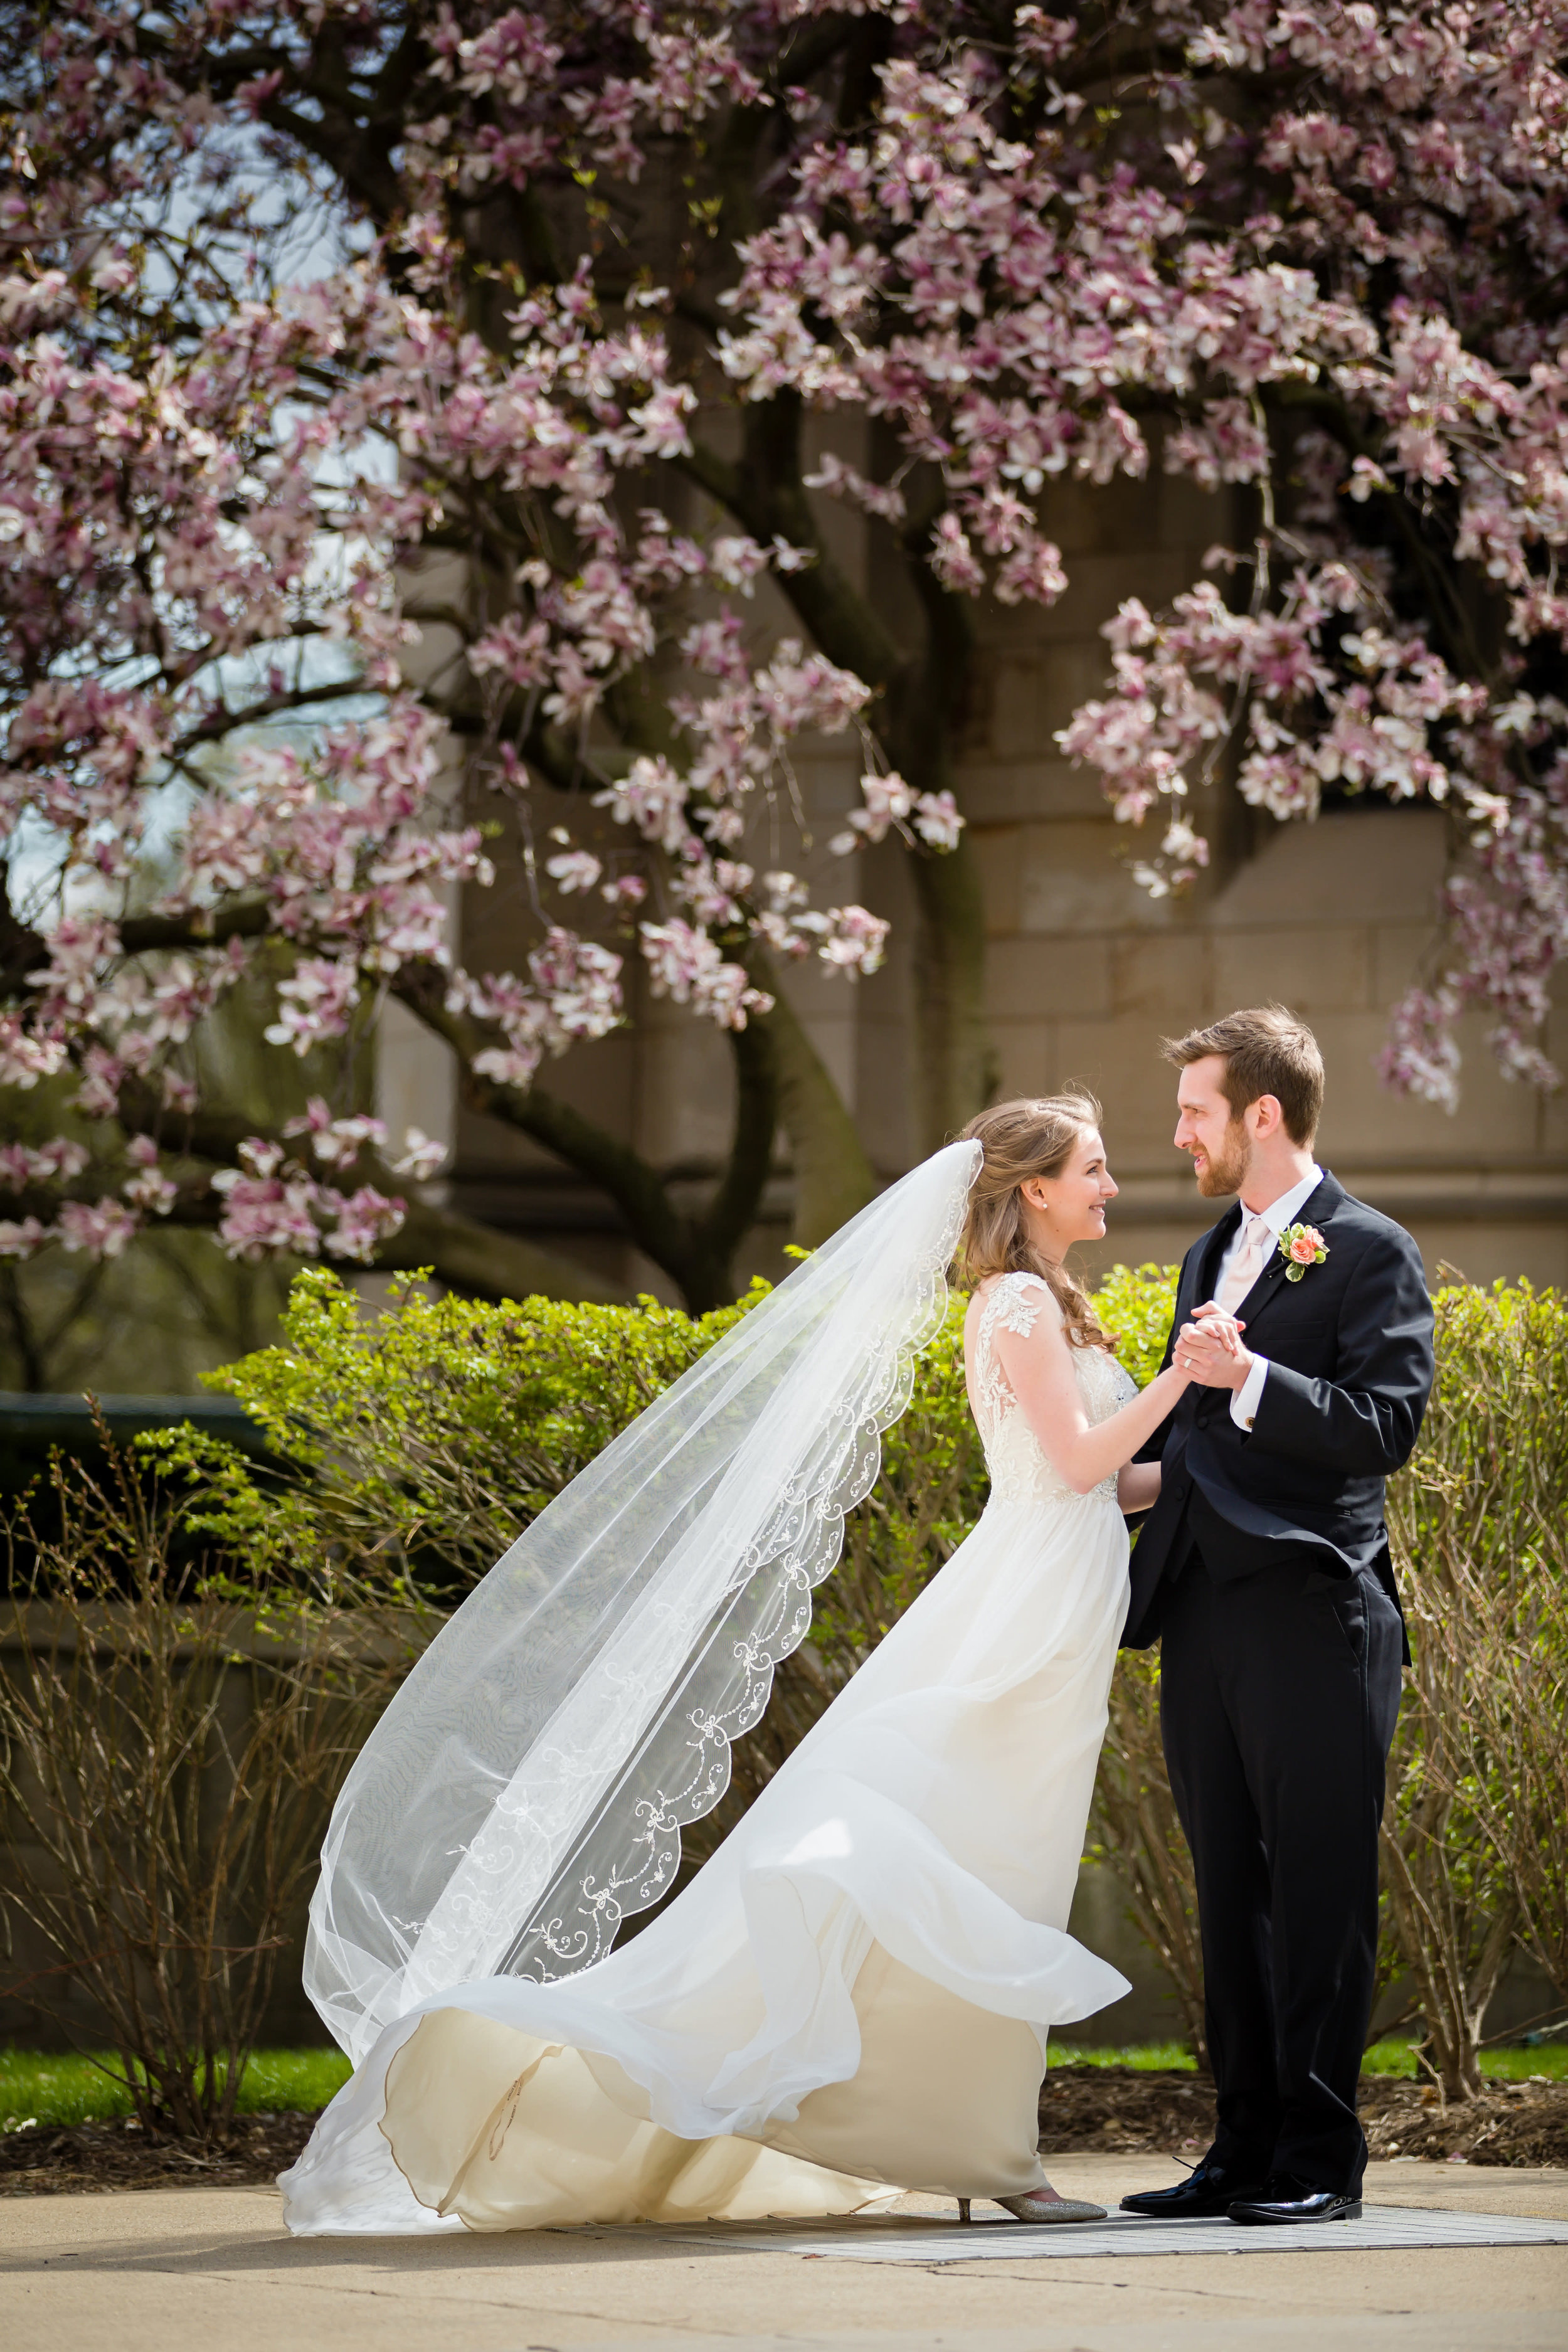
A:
1278, 1697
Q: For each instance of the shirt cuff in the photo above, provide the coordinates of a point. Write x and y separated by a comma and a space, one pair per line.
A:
1245, 1400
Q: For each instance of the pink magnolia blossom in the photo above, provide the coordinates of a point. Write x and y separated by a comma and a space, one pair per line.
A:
938, 821
685, 964
23, 1237
574, 869
336, 1142
61, 1157
889, 802
1315, 268
101, 1229
421, 1156
360, 1222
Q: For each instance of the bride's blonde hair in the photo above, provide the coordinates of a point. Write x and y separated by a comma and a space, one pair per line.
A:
1020, 1140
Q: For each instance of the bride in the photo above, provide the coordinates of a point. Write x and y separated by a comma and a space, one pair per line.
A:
852, 1999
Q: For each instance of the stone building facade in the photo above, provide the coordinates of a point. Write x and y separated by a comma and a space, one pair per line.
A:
1086, 972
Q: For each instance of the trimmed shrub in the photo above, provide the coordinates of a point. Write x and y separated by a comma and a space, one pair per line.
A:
418, 1445
422, 1443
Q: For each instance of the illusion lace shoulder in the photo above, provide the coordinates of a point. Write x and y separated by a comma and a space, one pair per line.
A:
1020, 1472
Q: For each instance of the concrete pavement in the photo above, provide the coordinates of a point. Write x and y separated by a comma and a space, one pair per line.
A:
197, 2270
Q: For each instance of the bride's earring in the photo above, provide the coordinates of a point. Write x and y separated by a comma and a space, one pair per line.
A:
1043, 1208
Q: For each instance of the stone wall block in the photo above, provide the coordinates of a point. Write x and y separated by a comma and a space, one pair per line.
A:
1067, 877
1015, 731
1312, 969
1119, 518
1481, 1251
1350, 865
1070, 673
1120, 1060
1029, 789
1495, 1120
1098, 583
1003, 855
1399, 953
1166, 978
1027, 1058
1045, 979
1199, 520
685, 1091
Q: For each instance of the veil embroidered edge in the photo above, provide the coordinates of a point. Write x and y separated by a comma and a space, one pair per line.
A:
583, 1930
584, 1831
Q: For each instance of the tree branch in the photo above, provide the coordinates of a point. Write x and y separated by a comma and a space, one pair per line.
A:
224, 721
245, 918
765, 495
636, 1189
468, 1255
732, 1211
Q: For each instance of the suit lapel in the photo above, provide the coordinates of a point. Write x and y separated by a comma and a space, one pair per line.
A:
1262, 1290
1318, 1210
1210, 1250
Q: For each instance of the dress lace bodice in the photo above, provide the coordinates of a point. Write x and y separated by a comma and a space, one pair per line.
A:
1019, 1470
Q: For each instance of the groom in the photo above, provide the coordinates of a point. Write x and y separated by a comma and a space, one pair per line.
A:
1263, 1570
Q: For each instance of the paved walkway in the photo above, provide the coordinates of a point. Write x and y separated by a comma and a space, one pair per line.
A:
209, 2270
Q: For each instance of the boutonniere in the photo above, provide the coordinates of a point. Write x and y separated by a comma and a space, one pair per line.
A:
1302, 1247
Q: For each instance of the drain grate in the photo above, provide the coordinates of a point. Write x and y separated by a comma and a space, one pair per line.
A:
895, 2240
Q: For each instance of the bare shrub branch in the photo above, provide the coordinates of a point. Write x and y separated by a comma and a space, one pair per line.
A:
169, 1747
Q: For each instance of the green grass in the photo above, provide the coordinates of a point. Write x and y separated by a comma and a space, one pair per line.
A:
56, 2088
1148, 2057
53, 2089
1511, 2064
1504, 2065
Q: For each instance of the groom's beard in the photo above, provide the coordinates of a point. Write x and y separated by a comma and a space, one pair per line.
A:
1227, 1174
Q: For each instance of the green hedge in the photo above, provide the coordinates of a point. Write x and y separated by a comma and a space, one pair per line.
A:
419, 1443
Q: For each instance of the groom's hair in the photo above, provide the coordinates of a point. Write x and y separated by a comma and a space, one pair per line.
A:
1267, 1051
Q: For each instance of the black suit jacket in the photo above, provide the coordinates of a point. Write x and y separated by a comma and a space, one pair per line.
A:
1350, 1349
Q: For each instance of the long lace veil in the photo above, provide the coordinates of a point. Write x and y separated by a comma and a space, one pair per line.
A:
526, 1788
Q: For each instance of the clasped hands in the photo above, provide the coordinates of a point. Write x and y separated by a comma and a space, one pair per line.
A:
1209, 1348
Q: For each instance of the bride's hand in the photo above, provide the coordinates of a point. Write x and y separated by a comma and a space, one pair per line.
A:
1210, 1323
1218, 1323
1210, 1348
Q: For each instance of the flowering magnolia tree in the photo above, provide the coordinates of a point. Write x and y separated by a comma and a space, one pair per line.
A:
442, 375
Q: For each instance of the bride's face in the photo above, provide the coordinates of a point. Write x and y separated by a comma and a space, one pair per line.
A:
1070, 1205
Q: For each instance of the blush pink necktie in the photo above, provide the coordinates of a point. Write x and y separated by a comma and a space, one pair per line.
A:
1245, 1266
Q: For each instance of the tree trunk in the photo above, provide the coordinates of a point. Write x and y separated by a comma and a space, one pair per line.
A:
924, 690
958, 1066
833, 1176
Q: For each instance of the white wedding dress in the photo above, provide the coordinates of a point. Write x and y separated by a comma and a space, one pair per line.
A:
852, 1998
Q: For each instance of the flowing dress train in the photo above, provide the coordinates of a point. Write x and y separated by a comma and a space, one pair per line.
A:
852, 1997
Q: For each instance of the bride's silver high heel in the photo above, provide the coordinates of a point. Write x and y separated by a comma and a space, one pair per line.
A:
1033, 2207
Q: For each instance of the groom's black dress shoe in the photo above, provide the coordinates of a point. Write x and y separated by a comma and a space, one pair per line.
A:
1287, 2200
1206, 2195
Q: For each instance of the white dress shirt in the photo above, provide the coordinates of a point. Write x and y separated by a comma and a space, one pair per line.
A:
1244, 1401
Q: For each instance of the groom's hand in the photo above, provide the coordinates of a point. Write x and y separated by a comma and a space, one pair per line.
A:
1210, 1348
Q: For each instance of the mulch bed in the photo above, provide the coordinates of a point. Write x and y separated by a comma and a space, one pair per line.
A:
1111, 2110
54, 2159
1119, 2111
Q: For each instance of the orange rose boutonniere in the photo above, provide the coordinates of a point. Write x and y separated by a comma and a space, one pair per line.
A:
1302, 1247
